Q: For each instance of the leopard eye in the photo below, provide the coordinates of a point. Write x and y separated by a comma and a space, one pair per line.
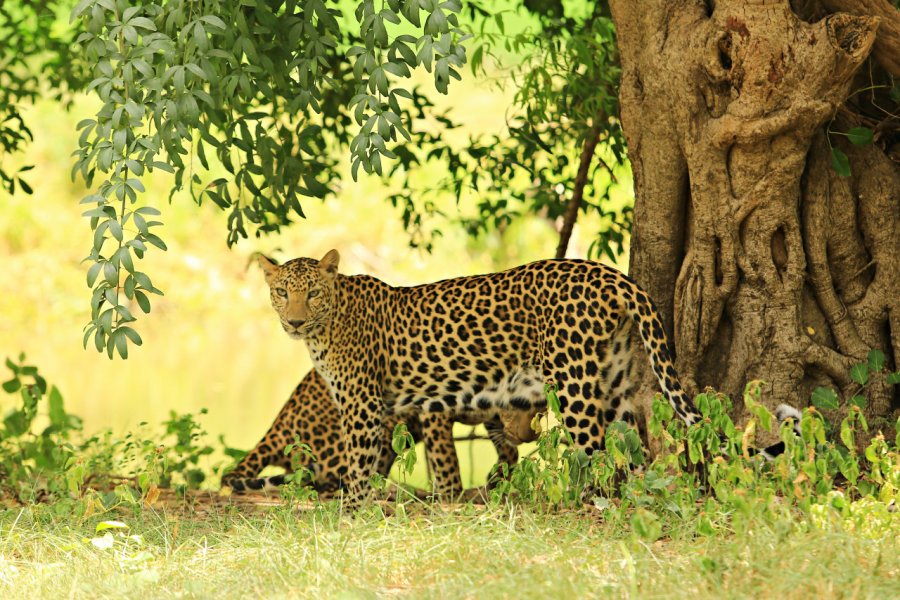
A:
312, 293
281, 292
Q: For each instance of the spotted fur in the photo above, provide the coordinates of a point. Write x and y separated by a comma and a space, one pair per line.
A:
311, 417
475, 343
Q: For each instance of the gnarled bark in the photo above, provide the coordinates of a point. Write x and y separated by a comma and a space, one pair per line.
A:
766, 264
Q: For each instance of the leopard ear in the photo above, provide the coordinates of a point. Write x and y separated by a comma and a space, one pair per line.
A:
328, 266
269, 266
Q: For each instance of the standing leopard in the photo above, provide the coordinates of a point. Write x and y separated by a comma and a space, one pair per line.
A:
483, 342
310, 416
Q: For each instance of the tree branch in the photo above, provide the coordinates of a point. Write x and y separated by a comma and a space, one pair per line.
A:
584, 168
887, 44
832, 363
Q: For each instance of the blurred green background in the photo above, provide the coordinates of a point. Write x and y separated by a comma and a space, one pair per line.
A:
212, 341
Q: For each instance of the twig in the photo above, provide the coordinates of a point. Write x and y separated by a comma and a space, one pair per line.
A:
571, 214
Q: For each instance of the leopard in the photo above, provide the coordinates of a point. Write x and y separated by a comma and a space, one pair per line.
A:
480, 342
309, 417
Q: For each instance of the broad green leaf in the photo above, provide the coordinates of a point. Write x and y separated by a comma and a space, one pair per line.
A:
143, 23
142, 301
132, 335
121, 344
876, 360
840, 163
860, 136
16, 423
825, 398
55, 408
214, 21
860, 373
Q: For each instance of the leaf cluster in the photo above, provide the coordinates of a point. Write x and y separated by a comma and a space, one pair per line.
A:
565, 75
36, 60
268, 89
45, 454
701, 482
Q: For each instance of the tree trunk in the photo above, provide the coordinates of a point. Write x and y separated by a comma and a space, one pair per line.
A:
766, 264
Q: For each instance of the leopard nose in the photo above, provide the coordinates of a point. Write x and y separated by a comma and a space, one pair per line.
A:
296, 324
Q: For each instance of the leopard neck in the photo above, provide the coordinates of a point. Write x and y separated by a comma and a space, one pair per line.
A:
356, 299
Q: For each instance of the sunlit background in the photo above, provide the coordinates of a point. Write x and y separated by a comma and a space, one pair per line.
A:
213, 341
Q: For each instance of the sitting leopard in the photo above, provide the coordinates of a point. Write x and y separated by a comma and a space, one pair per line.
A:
483, 342
309, 415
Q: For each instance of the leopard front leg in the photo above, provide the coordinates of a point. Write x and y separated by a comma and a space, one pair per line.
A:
362, 427
437, 433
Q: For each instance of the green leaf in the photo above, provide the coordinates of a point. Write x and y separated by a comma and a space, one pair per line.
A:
436, 23
847, 435
876, 360
143, 23
12, 386
16, 423
859, 401
825, 398
79, 9
142, 301
840, 163
156, 241
860, 136
477, 57
55, 406
552, 400
105, 320
214, 21
860, 373
115, 229
110, 273
121, 344
132, 335
893, 378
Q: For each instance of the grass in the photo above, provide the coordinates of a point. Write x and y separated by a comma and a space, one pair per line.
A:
503, 551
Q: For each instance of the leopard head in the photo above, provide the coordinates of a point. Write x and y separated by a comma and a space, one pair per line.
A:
303, 292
